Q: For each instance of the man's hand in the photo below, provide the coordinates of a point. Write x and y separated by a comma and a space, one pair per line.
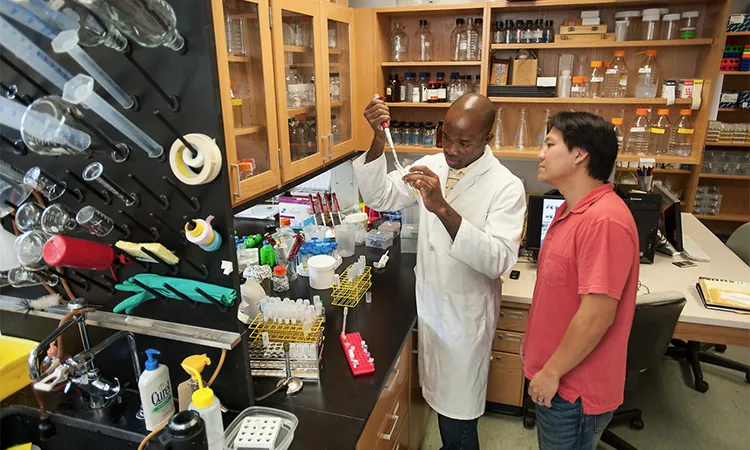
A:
376, 113
428, 184
543, 387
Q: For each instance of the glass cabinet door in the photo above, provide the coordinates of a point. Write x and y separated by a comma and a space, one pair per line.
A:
244, 55
298, 66
337, 21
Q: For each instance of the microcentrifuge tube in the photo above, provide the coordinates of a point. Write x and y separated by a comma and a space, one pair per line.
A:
368, 297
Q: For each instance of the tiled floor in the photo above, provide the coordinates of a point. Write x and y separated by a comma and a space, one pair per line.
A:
675, 415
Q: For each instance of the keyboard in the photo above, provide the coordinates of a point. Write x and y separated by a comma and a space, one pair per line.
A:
691, 250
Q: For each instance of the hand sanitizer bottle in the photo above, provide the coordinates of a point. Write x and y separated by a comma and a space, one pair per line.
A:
156, 392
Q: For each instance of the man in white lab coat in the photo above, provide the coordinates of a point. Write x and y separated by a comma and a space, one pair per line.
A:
471, 218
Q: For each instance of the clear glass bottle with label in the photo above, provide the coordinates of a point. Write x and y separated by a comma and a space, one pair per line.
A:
617, 124
510, 32
648, 76
236, 105
596, 80
399, 44
452, 97
681, 143
458, 41
428, 136
442, 88
549, 31
406, 87
538, 36
335, 87
616, 77
423, 42
660, 132
498, 34
578, 88
638, 135
295, 88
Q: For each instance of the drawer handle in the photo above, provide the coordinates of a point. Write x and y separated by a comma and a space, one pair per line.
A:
388, 436
394, 375
513, 315
511, 337
497, 358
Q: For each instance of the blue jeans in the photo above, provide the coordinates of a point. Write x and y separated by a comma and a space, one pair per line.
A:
458, 434
564, 426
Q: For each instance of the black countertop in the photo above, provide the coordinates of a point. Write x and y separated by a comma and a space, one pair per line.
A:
332, 412
385, 324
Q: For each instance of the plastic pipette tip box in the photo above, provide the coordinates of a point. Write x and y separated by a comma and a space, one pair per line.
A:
257, 433
356, 353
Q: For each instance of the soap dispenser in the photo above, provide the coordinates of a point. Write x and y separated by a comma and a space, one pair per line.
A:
207, 405
156, 392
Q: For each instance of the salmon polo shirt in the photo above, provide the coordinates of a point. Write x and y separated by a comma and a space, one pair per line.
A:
591, 249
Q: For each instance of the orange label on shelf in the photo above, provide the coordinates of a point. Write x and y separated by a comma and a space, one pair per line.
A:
658, 130
685, 131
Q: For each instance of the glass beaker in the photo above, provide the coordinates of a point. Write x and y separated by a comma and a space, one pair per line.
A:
345, 237
29, 217
29, 249
94, 221
21, 277
235, 36
38, 180
59, 219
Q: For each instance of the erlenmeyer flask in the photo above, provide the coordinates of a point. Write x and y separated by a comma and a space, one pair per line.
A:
150, 23
521, 139
542, 132
498, 134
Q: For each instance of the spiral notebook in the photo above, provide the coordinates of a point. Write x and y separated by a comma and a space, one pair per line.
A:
724, 295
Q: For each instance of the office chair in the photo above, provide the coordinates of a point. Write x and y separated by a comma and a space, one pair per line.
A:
654, 322
739, 242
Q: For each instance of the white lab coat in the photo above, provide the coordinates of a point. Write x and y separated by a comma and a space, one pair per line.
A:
458, 282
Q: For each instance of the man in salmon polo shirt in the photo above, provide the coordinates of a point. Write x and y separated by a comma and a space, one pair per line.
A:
576, 339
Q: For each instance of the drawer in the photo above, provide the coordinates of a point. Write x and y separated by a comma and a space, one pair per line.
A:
393, 423
506, 380
402, 442
508, 342
395, 385
512, 319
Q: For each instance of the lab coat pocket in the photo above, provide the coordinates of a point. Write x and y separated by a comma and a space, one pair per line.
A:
464, 316
554, 270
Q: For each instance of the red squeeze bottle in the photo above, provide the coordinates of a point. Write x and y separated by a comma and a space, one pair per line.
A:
65, 251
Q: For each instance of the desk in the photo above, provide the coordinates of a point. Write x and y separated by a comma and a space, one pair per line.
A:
696, 322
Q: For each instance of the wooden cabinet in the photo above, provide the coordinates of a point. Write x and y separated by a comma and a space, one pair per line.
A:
276, 63
506, 380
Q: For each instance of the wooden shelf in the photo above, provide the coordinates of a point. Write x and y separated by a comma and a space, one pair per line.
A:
735, 73
738, 33
666, 159
294, 111
238, 59
420, 150
727, 144
589, 101
248, 130
726, 217
716, 176
606, 44
337, 104
734, 110
432, 9
334, 51
430, 63
297, 49
418, 105
666, 171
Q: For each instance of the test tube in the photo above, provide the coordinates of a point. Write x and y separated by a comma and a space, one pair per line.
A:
38, 180
67, 42
80, 90
95, 172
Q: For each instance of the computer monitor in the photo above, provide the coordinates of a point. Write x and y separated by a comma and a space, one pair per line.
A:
541, 211
671, 215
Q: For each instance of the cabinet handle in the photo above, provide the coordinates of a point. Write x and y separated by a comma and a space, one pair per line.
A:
239, 186
513, 315
394, 375
496, 358
387, 436
324, 141
511, 337
330, 146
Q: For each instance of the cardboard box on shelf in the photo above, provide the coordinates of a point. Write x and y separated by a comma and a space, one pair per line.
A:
524, 72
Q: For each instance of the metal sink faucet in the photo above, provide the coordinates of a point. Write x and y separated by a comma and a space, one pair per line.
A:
80, 370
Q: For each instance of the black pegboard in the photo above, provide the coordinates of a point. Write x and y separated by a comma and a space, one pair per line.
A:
192, 77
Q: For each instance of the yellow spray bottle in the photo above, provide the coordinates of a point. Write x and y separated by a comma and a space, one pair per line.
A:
185, 389
205, 403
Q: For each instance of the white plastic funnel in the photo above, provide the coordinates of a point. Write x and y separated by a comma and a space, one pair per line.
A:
67, 42
80, 90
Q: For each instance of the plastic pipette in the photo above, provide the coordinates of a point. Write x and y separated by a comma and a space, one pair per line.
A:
67, 42
28, 18
343, 326
80, 90
33, 56
41, 126
399, 168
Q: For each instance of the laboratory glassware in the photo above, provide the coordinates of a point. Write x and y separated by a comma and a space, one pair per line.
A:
80, 90
67, 42
22, 277
596, 80
59, 219
150, 23
399, 44
638, 136
617, 123
41, 182
521, 139
616, 77
423, 42
31, 54
95, 172
498, 134
660, 132
29, 248
12, 188
648, 76
236, 36
94, 221
458, 41
681, 143
29, 217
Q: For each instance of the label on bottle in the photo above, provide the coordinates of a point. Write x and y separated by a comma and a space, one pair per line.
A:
597, 79
620, 139
576, 89
388, 91
424, 95
611, 72
685, 131
623, 79
644, 70
432, 95
236, 102
415, 94
637, 129
657, 130
462, 45
402, 93
442, 94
